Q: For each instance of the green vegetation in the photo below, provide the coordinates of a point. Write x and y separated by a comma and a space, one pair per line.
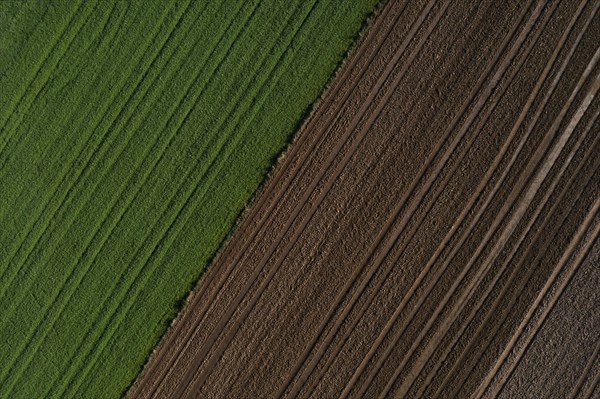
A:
132, 134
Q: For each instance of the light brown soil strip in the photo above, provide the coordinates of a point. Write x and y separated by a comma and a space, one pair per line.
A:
498, 376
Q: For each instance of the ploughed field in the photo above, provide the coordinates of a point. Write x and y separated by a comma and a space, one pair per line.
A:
132, 134
433, 232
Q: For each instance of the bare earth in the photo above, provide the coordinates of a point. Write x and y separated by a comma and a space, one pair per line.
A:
433, 232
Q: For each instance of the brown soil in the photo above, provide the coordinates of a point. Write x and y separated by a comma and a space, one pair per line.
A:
432, 231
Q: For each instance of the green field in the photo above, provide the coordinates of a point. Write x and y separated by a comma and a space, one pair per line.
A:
132, 135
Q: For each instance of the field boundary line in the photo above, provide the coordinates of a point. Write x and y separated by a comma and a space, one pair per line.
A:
176, 110
390, 221
240, 123
16, 304
225, 320
320, 252
160, 244
359, 116
256, 208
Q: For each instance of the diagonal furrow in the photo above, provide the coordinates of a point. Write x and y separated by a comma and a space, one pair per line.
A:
421, 175
587, 394
88, 256
525, 110
515, 217
542, 305
331, 176
176, 120
8, 109
439, 189
362, 180
504, 311
430, 28
56, 202
589, 367
128, 170
38, 328
467, 210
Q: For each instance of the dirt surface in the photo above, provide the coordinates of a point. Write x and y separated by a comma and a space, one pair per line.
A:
426, 234
567, 340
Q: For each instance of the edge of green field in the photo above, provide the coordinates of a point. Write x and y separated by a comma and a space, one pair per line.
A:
275, 164
133, 135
